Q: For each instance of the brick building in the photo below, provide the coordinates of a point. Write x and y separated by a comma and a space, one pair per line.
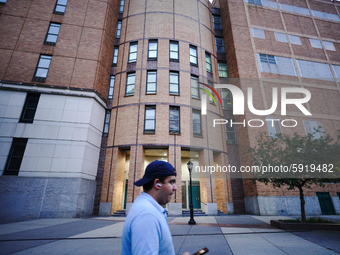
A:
92, 91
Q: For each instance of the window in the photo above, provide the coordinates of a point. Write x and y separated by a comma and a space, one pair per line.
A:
280, 37
222, 70
258, 33
174, 83
15, 156
219, 45
227, 99
193, 55
121, 7
230, 132
153, 47
329, 45
278, 65
294, 39
196, 121
174, 49
194, 87
60, 7
150, 119
264, 3
42, 68
315, 43
115, 56
119, 29
273, 126
217, 22
107, 123
314, 128
208, 62
151, 83
133, 52
336, 71
314, 70
30, 107
130, 84
325, 15
211, 100
111, 87
174, 120
2, 2
52, 34
295, 9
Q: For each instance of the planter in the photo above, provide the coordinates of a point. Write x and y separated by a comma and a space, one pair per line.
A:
305, 226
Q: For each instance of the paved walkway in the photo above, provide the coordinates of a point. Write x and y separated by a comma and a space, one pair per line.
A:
242, 234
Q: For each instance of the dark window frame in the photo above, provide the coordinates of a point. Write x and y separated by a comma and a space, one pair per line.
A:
119, 28
128, 85
220, 70
41, 78
198, 112
191, 56
115, 56
171, 73
16, 143
58, 5
121, 6
152, 41
111, 87
130, 60
150, 131
178, 121
217, 22
219, 46
106, 127
29, 108
172, 51
208, 65
52, 34
149, 83
194, 77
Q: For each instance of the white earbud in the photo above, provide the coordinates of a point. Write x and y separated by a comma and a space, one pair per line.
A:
159, 185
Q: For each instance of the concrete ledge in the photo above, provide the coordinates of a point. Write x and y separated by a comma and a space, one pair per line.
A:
174, 209
305, 226
209, 208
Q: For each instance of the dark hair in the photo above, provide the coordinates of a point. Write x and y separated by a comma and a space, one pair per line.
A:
148, 186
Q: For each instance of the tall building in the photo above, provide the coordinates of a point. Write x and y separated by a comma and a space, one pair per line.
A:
92, 91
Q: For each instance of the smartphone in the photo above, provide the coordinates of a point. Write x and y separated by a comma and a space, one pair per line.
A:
203, 251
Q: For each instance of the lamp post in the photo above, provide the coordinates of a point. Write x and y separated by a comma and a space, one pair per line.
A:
191, 221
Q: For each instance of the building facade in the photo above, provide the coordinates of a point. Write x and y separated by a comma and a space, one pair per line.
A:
92, 91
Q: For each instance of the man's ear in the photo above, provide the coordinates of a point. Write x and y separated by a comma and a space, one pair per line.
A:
157, 183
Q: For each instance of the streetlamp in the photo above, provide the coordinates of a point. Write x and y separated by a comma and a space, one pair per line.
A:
191, 221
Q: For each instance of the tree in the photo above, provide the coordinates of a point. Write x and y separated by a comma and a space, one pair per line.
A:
301, 161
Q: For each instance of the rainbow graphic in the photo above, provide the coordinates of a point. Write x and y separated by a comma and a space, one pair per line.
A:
208, 92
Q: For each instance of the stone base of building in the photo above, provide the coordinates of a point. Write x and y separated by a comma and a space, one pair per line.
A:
174, 209
105, 209
230, 208
29, 197
285, 205
209, 208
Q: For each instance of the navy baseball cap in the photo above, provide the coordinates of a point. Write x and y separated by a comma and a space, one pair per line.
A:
154, 170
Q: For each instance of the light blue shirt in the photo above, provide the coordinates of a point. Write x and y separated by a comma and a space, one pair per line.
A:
146, 229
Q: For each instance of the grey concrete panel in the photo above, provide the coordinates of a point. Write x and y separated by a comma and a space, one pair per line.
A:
204, 230
238, 219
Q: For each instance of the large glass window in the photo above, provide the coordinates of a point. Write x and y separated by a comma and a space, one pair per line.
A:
174, 120
315, 43
119, 29
336, 69
174, 51
278, 65
133, 52
295, 39
174, 83
208, 62
273, 126
219, 45
121, 7
280, 37
314, 70
329, 45
222, 70
258, 33
130, 84
150, 119
111, 87
193, 55
194, 87
30, 107
326, 15
196, 121
15, 156
217, 22
52, 34
263, 3
153, 48
42, 68
295, 9
151, 83
107, 123
227, 99
115, 56
60, 7
314, 128
230, 132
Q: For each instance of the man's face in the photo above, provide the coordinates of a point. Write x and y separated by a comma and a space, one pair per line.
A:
166, 190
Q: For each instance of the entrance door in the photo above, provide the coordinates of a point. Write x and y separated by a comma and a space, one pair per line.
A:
126, 189
196, 195
326, 203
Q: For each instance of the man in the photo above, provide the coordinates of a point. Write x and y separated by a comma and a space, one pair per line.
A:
146, 229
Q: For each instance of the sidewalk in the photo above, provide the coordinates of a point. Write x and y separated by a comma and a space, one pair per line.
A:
235, 234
